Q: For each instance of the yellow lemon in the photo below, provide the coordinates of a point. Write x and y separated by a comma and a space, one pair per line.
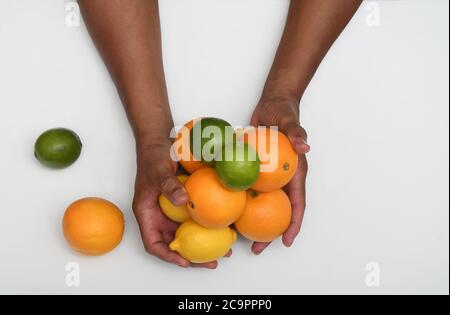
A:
201, 245
177, 214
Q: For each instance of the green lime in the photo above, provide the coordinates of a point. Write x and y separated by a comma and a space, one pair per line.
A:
208, 136
238, 169
58, 148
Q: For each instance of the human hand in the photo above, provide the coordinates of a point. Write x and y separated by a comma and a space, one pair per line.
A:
284, 113
155, 175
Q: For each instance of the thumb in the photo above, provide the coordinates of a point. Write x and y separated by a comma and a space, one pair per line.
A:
297, 135
173, 190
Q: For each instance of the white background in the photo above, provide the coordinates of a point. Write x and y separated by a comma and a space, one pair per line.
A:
377, 114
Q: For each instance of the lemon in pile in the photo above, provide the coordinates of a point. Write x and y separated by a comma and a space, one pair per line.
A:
200, 245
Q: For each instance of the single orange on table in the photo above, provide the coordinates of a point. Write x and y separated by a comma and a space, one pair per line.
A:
266, 216
211, 204
279, 160
186, 159
93, 226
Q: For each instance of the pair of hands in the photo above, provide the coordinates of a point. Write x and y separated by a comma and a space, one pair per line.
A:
156, 174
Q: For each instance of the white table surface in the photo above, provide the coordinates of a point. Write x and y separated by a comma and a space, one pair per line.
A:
377, 114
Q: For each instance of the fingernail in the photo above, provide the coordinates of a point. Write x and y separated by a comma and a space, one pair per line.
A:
301, 146
184, 264
180, 197
302, 141
179, 193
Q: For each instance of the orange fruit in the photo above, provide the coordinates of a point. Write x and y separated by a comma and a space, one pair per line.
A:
210, 204
93, 226
280, 162
266, 216
189, 164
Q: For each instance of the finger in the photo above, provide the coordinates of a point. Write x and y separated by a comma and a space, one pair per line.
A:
294, 228
173, 189
162, 251
297, 194
258, 248
229, 254
210, 265
153, 239
297, 135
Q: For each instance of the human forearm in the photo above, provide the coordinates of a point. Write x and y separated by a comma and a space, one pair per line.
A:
127, 34
311, 28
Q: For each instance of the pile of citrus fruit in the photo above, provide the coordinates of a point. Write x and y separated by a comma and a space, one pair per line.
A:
230, 187
234, 184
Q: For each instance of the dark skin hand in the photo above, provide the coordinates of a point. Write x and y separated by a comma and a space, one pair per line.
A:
284, 113
311, 29
127, 34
